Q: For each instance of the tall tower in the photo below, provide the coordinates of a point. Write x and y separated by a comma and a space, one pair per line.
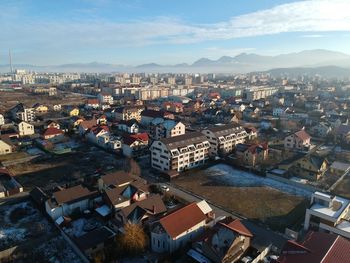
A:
10, 58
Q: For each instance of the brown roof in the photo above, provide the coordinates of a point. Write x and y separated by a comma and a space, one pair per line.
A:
303, 135
153, 205
72, 194
117, 178
88, 124
114, 195
184, 140
238, 227
317, 247
183, 219
94, 238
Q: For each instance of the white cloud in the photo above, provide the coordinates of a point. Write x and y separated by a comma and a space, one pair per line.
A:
313, 16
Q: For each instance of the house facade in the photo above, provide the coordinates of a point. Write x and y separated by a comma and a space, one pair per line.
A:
160, 128
24, 128
299, 140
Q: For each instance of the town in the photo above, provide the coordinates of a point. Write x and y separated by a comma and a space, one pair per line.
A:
160, 167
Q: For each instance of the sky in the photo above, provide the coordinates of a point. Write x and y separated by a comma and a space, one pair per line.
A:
133, 32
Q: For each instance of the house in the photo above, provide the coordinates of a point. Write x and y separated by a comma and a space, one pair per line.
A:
53, 134
299, 140
115, 179
20, 112
251, 113
95, 240
161, 128
251, 132
92, 104
72, 111
8, 184
85, 125
128, 113
24, 128
57, 107
322, 130
70, 200
130, 126
226, 242
175, 107
100, 136
180, 153
280, 111
5, 147
135, 145
105, 98
310, 167
40, 108
223, 138
140, 212
52, 124
148, 115
2, 120
315, 248
251, 155
178, 228
328, 213
339, 168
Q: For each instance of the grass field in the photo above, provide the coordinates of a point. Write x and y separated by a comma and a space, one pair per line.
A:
266, 204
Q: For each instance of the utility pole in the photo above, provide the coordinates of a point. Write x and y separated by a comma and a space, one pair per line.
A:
10, 58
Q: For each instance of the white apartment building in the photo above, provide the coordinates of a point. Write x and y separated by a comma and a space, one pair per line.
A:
105, 98
160, 128
180, 153
329, 213
223, 138
22, 113
257, 93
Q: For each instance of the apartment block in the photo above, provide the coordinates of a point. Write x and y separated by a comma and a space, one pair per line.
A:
224, 138
180, 153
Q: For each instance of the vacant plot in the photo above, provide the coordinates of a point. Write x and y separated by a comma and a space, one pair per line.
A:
246, 194
343, 188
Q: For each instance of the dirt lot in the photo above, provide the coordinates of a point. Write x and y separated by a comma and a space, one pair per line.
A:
277, 209
343, 188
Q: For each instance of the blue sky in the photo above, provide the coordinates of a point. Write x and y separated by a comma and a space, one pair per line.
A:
45, 32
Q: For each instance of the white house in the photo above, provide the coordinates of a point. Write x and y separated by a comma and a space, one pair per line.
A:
135, 145
24, 128
100, 136
329, 213
5, 148
2, 120
160, 128
67, 201
105, 98
299, 140
130, 126
179, 228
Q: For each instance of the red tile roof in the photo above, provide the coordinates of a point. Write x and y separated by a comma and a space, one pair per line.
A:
238, 227
131, 138
92, 101
183, 219
52, 131
317, 247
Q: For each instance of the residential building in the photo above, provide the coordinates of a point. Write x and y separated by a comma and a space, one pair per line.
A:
135, 145
92, 104
311, 167
5, 147
100, 136
128, 113
40, 108
130, 126
224, 138
226, 242
251, 155
52, 124
105, 98
179, 228
147, 116
67, 201
316, 247
53, 134
299, 140
161, 128
321, 130
180, 153
20, 112
24, 128
328, 213
2, 120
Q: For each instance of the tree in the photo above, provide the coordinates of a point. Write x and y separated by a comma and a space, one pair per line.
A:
134, 240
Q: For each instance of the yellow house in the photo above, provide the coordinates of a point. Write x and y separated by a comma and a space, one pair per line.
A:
310, 167
41, 108
73, 112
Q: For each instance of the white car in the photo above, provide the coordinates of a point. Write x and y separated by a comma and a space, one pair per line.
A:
164, 188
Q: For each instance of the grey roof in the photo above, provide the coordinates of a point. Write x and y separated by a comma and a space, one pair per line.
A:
184, 140
227, 129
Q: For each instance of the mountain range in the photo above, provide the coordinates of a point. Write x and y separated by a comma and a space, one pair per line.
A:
241, 63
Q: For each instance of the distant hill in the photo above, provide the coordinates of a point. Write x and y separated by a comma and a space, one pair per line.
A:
242, 63
327, 71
